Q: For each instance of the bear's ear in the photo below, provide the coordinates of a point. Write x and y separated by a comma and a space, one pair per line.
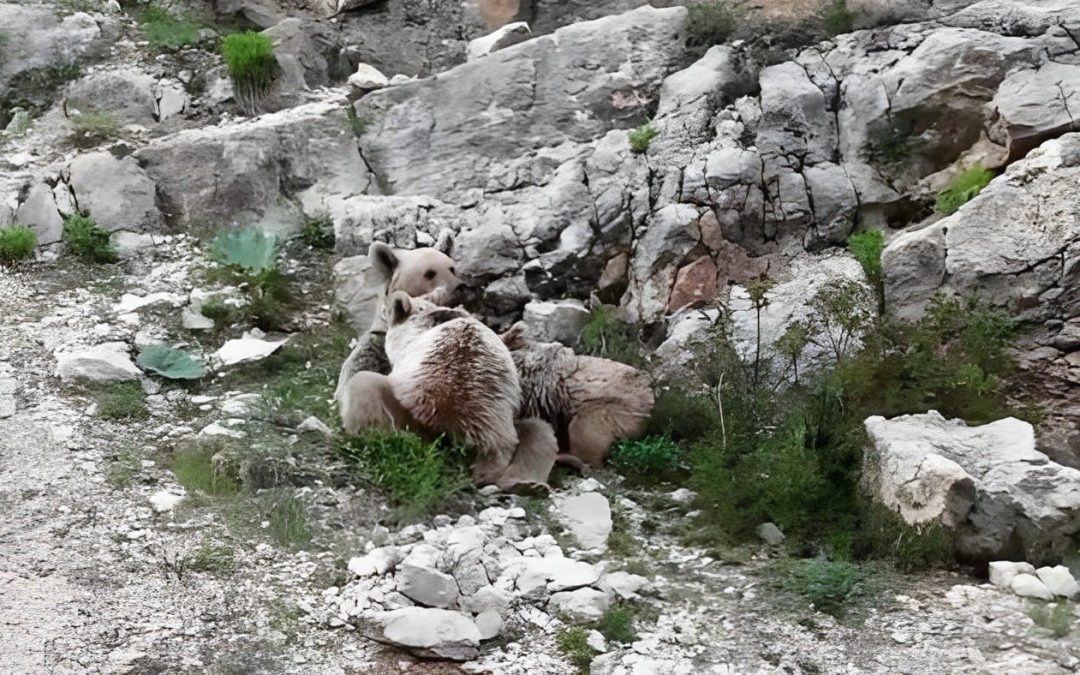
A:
383, 259
514, 338
445, 242
399, 306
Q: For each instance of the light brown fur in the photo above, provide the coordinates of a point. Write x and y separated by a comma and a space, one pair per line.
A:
369, 402
591, 402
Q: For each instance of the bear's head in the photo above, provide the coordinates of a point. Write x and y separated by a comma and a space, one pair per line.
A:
423, 272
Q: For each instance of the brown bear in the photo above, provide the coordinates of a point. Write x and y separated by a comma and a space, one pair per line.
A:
454, 375
591, 402
427, 272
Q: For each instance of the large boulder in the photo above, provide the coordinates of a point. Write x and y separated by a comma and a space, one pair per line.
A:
41, 36
116, 193
434, 633
1003, 498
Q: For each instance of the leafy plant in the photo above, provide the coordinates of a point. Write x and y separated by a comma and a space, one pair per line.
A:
963, 189
617, 625
712, 22
831, 587
654, 456
249, 250
194, 469
170, 363
166, 31
1055, 617
16, 243
641, 137
92, 128
318, 232
572, 641
87, 241
607, 336
220, 560
866, 247
251, 257
249, 56
121, 401
416, 475
837, 18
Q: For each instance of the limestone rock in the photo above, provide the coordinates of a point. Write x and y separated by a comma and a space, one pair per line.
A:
39, 212
246, 349
588, 518
1029, 586
1003, 571
126, 93
554, 572
555, 321
367, 78
770, 534
1059, 581
510, 34
108, 362
489, 623
376, 562
419, 579
436, 633
584, 604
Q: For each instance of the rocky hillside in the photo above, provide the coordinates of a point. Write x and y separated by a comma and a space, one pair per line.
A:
843, 239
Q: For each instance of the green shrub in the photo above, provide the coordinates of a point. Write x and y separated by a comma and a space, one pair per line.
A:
884, 535
249, 56
617, 625
219, 560
866, 247
652, 456
607, 336
250, 257
641, 137
1055, 617
682, 417
416, 475
572, 641
92, 128
837, 18
889, 149
963, 189
194, 469
712, 22
87, 241
121, 401
123, 467
16, 243
831, 587
318, 232
170, 363
166, 31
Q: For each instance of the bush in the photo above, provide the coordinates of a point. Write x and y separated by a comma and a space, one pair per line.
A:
572, 641
712, 22
617, 625
92, 128
963, 189
682, 417
831, 587
318, 232
165, 31
85, 240
606, 336
16, 243
416, 475
652, 456
641, 137
837, 18
121, 401
249, 56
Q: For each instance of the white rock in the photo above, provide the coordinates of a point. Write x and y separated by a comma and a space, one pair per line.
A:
315, 425
418, 578
378, 561
557, 573
246, 349
623, 584
588, 518
510, 34
1029, 586
682, 496
489, 624
437, 633
770, 534
193, 319
367, 78
1059, 581
108, 362
163, 500
1003, 571
555, 321
219, 430
596, 640
584, 604
487, 599
129, 302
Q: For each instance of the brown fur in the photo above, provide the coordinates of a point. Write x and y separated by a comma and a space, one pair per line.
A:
533, 459
368, 402
591, 402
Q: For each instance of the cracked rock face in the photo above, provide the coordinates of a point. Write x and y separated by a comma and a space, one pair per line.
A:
1002, 497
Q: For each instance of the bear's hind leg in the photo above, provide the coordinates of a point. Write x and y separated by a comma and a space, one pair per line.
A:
368, 401
533, 459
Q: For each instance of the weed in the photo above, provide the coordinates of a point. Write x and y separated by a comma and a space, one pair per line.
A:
194, 469
288, 521
889, 149
963, 189
92, 128
866, 247
211, 558
16, 243
605, 335
357, 125
284, 617
682, 417
793, 343
617, 625
250, 260
837, 18
641, 137
166, 31
249, 56
36, 89
652, 456
1056, 617
318, 232
572, 641
883, 534
712, 22
417, 475
124, 467
221, 312
87, 241
830, 587
120, 401
621, 542
170, 363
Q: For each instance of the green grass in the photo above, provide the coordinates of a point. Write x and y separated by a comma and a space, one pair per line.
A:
92, 128
1057, 617
641, 137
289, 525
318, 232
16, 243
617, 625
123, 401
832, 588
194, 469
124, 467
889, 149
416, 475
572, 642
607, 336
167, 31
713, 22
212, 558
963, 189
837, 18
653, 457
866, 247
85, 240
249, 57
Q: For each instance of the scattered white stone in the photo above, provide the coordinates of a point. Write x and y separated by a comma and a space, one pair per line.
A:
487, 599
1029, 586
584, 604
246, 349
1059, 581
1003, 571
315, 425
682, 496
367, 78
193, 319
489, 623
419, 579
163, 501
770, 534
219, 430
510, 34
588, 518
623, 584
108, 362
557, 573
129, 302
437, 633
596, 640
377, 561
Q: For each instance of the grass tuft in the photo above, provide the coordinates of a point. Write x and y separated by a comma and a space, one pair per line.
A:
654, 457
121, 401
963, 189
713, 22
606, 336
641, 137
318, 232
16, 243
219, 560
194, 469
249, 56
837, 18
87, 241
617, 625
166, 31
572, 641
92, 128
288, 521
832, 588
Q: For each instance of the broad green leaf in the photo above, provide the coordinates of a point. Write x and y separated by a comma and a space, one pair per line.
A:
170, 363
249, 249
